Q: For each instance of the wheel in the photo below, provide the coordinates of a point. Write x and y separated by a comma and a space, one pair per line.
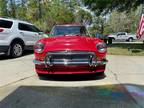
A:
130, 39
16, 50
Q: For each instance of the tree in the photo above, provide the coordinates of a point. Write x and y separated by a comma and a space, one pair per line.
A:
98, 25
106, 6
43, 13
3, 8
22, 9
123, 21
84, 17
12, 8
52, 12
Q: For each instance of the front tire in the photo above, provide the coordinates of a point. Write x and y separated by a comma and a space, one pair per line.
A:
16, 50
130, 39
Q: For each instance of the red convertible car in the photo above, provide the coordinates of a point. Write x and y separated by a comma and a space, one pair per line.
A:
70, 50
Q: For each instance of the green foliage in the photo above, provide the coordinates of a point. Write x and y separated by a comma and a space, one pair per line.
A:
124, 15
116, 22
46, 13
51, 13
123, 21
3, 8
83, 17
43, 13
105, 6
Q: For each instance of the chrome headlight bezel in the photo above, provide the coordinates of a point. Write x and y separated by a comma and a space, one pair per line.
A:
39, 47
101, 47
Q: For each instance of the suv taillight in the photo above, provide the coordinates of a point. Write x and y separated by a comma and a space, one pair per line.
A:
1, 30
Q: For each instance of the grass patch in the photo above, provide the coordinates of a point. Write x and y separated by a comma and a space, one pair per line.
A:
132, 49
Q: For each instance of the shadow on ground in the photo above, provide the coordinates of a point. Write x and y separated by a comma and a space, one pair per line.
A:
4, 57
107, 96
75, 77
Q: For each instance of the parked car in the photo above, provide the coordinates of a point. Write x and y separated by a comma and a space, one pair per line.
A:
122, 36
70, 50
17, 36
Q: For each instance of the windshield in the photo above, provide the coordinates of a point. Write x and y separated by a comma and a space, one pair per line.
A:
69, 30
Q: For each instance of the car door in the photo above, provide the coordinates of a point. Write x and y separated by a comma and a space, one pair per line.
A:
29, 32
118, 36
121, 36
124, 36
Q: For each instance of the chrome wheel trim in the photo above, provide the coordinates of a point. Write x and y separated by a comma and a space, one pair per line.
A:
17, 49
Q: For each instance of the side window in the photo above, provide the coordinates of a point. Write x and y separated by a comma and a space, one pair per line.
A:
123, 33
27, 27
23, 27
33, 28
6, 24
118, 34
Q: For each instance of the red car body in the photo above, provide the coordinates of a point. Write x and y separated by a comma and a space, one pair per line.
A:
69, 54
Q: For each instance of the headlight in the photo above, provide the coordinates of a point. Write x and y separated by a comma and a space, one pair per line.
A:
101, 47
39, 47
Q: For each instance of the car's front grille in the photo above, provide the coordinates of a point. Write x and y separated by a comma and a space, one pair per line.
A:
70, 58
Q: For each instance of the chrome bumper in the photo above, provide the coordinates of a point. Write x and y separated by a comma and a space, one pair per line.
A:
65, 63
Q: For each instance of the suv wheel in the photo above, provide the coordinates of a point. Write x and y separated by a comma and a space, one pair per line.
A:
16, 50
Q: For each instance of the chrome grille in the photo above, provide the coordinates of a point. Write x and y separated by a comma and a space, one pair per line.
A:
70, 58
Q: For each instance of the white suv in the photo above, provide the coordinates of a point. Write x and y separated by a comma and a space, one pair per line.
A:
17, 36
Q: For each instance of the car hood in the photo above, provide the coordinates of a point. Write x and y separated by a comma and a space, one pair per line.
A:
61, 43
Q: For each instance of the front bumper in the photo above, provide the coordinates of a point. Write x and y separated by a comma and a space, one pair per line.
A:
65, 63
70, 67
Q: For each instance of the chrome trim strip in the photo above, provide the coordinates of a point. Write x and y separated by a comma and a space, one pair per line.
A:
103, 62
69, 53
70, 63
49, 62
